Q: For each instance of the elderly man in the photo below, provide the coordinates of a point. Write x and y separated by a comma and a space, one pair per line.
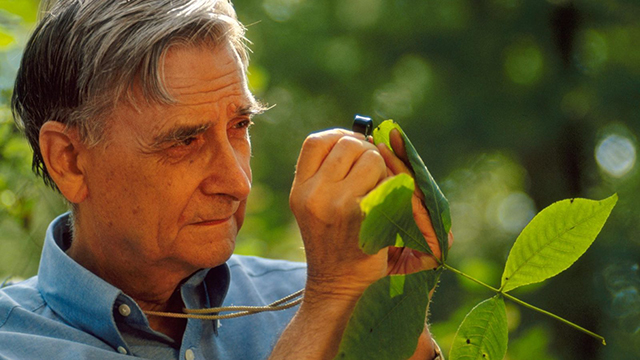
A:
138, 114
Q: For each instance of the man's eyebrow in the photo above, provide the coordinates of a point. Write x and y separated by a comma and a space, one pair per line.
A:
178, 133
182, 132
254, 108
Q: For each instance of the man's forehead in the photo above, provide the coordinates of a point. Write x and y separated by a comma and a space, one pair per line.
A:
184, 66
187, 70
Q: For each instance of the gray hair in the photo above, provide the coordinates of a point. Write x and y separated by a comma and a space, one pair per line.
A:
85, 56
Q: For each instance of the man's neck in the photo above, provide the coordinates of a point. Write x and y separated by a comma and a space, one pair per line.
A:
172, 327
154, 288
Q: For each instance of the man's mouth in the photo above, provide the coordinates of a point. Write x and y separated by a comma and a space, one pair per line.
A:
213, 222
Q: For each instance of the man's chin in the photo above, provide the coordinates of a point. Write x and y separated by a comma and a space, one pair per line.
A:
206, 261
212, 254
207, 245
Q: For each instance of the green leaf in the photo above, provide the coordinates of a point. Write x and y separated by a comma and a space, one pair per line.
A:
554, 240
483, 334
381, 133
435, 201
389, 219
389, 318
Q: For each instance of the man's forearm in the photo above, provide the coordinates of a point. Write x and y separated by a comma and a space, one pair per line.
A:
315, 331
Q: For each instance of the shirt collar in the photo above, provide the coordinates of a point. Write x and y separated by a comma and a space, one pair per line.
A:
88, 302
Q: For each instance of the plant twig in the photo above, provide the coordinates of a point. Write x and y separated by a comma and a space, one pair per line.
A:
527, 305
575, 326
448, 267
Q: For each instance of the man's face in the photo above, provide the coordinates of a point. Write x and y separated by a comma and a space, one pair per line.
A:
171, 183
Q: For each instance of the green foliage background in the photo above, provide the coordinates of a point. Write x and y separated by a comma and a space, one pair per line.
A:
513, 104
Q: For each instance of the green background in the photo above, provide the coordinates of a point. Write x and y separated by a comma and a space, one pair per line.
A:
513, 104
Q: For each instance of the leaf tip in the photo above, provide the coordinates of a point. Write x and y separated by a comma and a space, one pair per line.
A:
611, 199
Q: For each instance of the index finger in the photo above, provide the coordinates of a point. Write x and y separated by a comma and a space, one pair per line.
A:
315, 150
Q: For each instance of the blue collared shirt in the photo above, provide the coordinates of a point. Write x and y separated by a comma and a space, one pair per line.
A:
67, 312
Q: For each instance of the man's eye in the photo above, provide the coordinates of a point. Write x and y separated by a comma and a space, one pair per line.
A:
184, 142
187, 142
243, 124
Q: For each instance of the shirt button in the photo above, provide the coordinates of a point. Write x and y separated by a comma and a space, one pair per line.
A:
124, 310
189, 355
122, 350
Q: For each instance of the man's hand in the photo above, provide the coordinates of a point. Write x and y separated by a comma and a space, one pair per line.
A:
336, 168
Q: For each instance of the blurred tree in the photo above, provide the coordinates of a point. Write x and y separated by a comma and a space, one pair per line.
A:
26, 205
513, 104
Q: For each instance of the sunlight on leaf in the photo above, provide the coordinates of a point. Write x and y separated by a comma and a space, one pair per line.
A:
483, 335
385, 327
435, 201
396, 286
554, 240
389, 218
381, 133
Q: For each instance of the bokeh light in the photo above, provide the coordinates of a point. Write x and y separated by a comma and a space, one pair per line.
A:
489, 205
593, 51
623, 283
411, 82
280, 10
342, 56
258, 79
7, 198
616, 155
524, 62
515, 212
354, 14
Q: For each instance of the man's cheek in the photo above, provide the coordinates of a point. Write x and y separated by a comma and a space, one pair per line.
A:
239, 215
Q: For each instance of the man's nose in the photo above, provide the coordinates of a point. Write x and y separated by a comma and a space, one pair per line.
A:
228, 173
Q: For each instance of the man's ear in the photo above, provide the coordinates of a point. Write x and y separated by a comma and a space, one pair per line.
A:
61, 148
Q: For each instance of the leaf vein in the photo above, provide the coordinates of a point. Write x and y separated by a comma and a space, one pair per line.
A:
552, 240
417, 242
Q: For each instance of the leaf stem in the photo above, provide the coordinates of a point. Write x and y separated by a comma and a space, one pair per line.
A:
575, 326
527, 305
446, 266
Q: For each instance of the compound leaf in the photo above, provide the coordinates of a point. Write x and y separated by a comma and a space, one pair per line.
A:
435, 201
554, 240
389, 219
389, 318
483, 334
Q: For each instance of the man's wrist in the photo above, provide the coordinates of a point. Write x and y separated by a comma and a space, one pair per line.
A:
334, 288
